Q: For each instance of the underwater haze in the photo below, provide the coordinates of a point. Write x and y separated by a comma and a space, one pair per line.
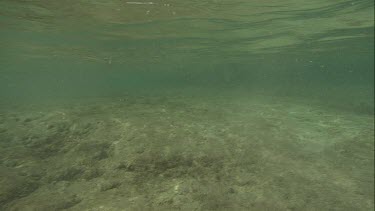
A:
186, 105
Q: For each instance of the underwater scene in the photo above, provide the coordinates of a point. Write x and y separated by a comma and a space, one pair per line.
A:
261, 105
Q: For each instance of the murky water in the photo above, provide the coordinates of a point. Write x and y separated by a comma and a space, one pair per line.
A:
192, 105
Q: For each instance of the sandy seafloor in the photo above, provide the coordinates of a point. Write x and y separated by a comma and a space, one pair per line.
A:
185, 153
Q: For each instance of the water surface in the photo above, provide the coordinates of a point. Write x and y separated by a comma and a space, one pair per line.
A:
192, 105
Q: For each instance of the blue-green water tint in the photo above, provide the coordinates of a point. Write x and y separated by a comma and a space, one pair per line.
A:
99, 48
300, 55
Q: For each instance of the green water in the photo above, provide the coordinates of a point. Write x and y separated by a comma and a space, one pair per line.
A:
186, 105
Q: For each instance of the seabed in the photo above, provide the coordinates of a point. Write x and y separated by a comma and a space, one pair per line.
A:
186, 153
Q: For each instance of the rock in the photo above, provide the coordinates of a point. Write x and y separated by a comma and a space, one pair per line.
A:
14, 186
108, 185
